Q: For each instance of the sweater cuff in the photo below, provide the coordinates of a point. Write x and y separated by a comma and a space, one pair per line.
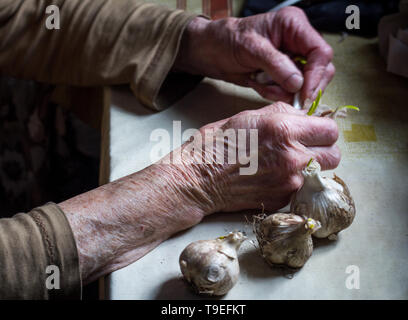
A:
60, 249
159, 87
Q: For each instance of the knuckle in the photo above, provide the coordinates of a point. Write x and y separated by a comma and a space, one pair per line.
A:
281, 128
331, 69
246, 40
245, 113
293, 11
231, 23
294, 183
327, 52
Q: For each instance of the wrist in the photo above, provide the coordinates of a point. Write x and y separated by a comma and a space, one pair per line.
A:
191, 40
196, 176
180, 199
191, 191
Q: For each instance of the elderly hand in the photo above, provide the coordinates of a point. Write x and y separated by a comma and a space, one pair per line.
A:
232, 49
119, 222
287, 140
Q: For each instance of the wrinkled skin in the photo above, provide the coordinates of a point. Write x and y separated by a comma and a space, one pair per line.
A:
287, 140
232, 49
116, 224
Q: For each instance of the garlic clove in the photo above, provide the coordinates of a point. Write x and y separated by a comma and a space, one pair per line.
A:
285, 238
211, 266
325, 199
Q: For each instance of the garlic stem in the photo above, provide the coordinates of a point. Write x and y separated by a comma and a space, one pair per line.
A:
234, 239
314, 182
312, 178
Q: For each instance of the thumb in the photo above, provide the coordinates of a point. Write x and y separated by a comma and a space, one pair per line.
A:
279, 67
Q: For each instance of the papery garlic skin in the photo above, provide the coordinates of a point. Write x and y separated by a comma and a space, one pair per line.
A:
285, 239
324, 110
211, 266
324, 199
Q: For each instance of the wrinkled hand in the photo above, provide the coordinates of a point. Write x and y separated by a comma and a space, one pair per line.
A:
117, 223
287, 139
232, 49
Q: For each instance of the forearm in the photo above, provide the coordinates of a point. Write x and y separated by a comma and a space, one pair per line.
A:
118, 223
99, 42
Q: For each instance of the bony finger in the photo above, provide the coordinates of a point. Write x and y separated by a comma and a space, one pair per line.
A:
327, 77
313, 77
278, 67
315, 131
328, 157
293, 83
318, 64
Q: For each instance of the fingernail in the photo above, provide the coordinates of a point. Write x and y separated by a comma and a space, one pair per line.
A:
294, 83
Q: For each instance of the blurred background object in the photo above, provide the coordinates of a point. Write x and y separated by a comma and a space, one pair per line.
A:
331, 15
393, 40
324, 15
49, 143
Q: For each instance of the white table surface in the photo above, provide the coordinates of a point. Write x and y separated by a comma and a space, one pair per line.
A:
375, 171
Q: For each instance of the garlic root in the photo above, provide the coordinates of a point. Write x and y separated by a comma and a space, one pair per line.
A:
285, 238
211, 266
324, 199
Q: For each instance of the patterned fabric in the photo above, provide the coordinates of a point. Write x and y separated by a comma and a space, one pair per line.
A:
41, 156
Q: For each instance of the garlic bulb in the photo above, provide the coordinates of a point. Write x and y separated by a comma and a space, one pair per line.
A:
211, 266
324, 199
285, 238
